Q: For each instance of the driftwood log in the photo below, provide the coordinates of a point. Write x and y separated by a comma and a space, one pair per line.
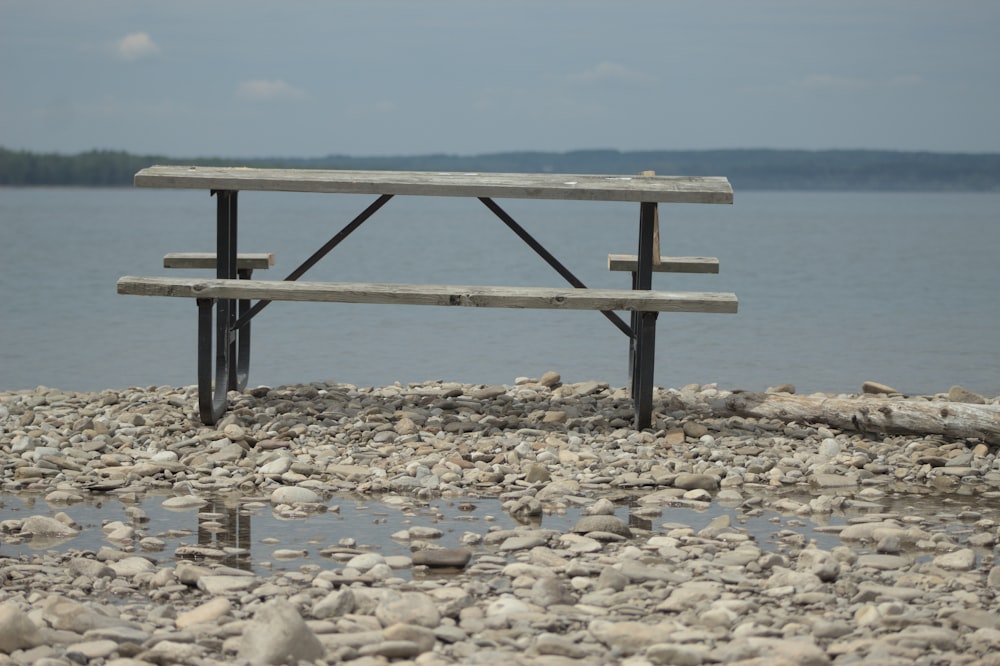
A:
865, 414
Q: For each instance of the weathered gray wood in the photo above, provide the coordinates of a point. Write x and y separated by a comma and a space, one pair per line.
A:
630, 263
415, 294
668, 189
255, 260
879, 415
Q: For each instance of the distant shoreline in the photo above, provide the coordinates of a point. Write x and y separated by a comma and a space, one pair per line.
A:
747, 169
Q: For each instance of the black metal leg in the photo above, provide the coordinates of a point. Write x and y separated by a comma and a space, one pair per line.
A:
226, 269
643, 341
212, 403
228, 367
644, 345
243, 338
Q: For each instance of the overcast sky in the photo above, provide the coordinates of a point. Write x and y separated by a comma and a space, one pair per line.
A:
382, 77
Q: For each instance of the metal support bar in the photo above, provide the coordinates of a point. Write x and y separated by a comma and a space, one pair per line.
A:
548, 257
226, 230
211, 403
320, 253
642, 390
643, 339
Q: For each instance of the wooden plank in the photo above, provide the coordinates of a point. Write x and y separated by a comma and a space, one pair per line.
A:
255, 260
630, 263
566, 298
667, 189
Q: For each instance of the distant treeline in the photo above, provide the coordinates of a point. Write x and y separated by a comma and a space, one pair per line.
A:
749, 169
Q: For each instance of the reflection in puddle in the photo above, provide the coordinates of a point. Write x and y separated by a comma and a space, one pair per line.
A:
249, 535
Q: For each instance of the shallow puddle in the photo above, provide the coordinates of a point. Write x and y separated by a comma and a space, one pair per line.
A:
254, 537
251, 536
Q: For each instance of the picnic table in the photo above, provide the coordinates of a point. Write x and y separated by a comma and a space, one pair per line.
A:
226, 303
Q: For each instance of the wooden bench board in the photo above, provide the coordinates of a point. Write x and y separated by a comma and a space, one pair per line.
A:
630, 263
589, 187
566, 298
255, 260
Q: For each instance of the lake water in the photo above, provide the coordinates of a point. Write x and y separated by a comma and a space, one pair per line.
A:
834, 289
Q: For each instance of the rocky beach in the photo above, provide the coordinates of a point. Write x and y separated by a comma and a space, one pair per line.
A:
909, 575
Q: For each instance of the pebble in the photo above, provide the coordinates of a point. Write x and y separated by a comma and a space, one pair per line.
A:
900, 585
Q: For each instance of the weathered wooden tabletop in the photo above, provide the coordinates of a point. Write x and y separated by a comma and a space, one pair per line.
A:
590, 187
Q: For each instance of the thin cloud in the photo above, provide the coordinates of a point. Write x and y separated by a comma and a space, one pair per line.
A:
261, 89
136, 46
833, 83
610, 72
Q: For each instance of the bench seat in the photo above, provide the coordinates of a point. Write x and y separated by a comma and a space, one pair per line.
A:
253, 260
566, 298
630, 263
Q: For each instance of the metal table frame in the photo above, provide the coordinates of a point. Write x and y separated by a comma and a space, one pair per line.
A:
229, 330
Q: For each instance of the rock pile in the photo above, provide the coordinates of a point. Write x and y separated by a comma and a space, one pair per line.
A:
903, 586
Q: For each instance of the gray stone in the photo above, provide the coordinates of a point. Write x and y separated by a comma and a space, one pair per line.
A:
422, 637
294, 495
959, 560
96, 649
84, 566
442, 557
17, 631
210, 611
883, 562
62, 613
391, 650
523, 542
687, 481
184, 502
337, 603
554, 644
960, 394
44, 526
675, 654
408, 608
602, 523
278, 635
611, 578
220, 585
993, 578
629, 637
551, 591
820, 563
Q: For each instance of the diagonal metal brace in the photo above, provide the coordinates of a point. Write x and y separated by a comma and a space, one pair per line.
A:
318, 254
550, 259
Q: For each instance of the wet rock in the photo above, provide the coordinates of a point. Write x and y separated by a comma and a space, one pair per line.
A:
184, 502
294, 495
602, 523
443, 557
44, 526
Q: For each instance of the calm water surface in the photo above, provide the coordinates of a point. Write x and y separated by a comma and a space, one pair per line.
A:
834, 288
